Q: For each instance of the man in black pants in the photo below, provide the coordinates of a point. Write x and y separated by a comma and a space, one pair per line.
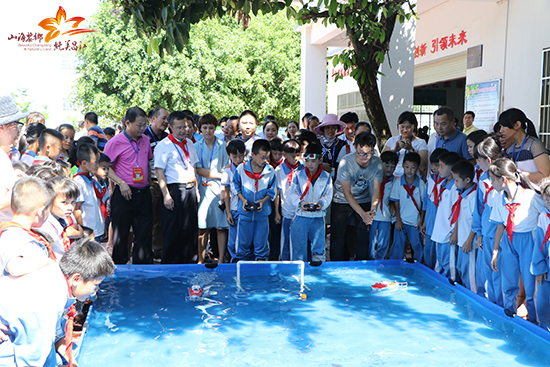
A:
131, 205
357, 193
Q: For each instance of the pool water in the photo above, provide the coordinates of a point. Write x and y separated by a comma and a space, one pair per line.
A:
142, 318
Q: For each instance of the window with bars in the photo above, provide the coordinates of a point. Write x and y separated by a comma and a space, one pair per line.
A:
544, 127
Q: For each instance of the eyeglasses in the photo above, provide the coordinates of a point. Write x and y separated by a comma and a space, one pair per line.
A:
364, 155
312, 156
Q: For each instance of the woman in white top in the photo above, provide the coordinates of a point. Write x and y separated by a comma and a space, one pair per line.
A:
406, 142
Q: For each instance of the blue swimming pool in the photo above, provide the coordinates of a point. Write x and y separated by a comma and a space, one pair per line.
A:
142, 318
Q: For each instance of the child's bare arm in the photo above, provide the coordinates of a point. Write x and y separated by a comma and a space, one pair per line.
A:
398, 221
498, 237
454, 236
468, 244
19, 266
78, 212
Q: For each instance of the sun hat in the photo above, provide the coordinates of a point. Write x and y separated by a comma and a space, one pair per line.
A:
9, 112
330, 119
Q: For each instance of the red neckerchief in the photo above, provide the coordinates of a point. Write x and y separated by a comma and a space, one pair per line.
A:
437, 196
455, 210
479, 171
64, 237
181, 144
410, 191
546, 235
311, 178
275, 164
31, 233
348, 148
382, 194
440, 194
255, 176
292, 168
98, 194
510, 223
69, 325
487, 191
192, 139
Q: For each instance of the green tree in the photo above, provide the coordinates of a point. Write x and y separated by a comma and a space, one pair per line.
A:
369, 25
221, 70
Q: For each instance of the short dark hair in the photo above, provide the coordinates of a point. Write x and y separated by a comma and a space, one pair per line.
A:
155, 112
450, 158
109, 131
304, 135
292, 146
261, 144
434, 157
87, 232
363, 123
445, 111
311, 118
33, 132
271, 122
407, 116
269, 118
364, 139
45, 171
208, 119
87, 258
412, 157
85, 152
234, 117
464, 170
313, 149
470, 113
178, 115
133, 113
235, 146
476, 136
248, 113
61, 127
349, 117
104, 158
65, 187
91, 117
276, 145
74, 148
29, 194
389, 157
49, 136
306, 116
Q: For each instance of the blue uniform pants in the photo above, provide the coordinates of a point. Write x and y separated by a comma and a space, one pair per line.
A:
232, 237
543, 304
493, 281
380, 234
466, 265
516, 260
429, 252
252, 239
301, 230
398, 247
285, 239
443, 252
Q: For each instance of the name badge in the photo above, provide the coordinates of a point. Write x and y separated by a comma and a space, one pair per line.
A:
137, 173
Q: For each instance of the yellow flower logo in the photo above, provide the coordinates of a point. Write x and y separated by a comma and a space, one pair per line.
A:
53, 24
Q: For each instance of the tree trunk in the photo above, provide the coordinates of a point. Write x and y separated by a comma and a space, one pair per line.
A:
375, 111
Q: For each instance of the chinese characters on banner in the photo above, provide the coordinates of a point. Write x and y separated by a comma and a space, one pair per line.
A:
31, 37
441, 44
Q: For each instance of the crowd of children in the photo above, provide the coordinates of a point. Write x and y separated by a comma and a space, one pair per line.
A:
475, 218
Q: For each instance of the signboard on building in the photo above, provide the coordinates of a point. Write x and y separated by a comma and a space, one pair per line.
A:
475, 56
484, 100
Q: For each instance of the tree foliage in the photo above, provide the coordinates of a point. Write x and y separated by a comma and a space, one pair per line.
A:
221, 69
369, 25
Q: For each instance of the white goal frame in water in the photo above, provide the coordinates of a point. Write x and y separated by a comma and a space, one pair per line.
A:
297, 262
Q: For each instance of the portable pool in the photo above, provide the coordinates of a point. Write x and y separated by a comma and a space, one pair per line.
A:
144, 317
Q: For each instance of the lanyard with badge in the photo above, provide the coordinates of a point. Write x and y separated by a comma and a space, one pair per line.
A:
137, 172
207, 182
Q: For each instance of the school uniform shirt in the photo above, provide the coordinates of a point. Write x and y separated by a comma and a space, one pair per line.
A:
31, 306
432, 190
442, 226
482, 209
171, 158
409, 208
418, 145
477, 173
526, 214
54, 229
383, 211
227, 181
15, 242
91, 205
361, 179
540, 263
7, 180
465, 216
39, 159
248, 145
28, 157
319, 191
255, 190
285, 175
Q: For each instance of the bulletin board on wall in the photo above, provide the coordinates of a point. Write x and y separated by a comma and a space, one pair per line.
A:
484, 100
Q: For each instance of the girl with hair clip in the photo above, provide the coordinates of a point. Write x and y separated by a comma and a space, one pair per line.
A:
486, 152
516, 215
526, 150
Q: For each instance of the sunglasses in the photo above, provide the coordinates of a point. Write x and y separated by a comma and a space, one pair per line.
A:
312, 156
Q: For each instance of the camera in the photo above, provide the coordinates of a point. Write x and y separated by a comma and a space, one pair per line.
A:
251, 207
311, 207
222, 206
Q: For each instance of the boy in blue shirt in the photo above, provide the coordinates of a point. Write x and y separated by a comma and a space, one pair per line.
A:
236, 151
380, 229
431, 202
407, 194
255, 185
311, 194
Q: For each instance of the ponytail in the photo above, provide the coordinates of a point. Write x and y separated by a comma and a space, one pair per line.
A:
504, 167
509, 118
488, 148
